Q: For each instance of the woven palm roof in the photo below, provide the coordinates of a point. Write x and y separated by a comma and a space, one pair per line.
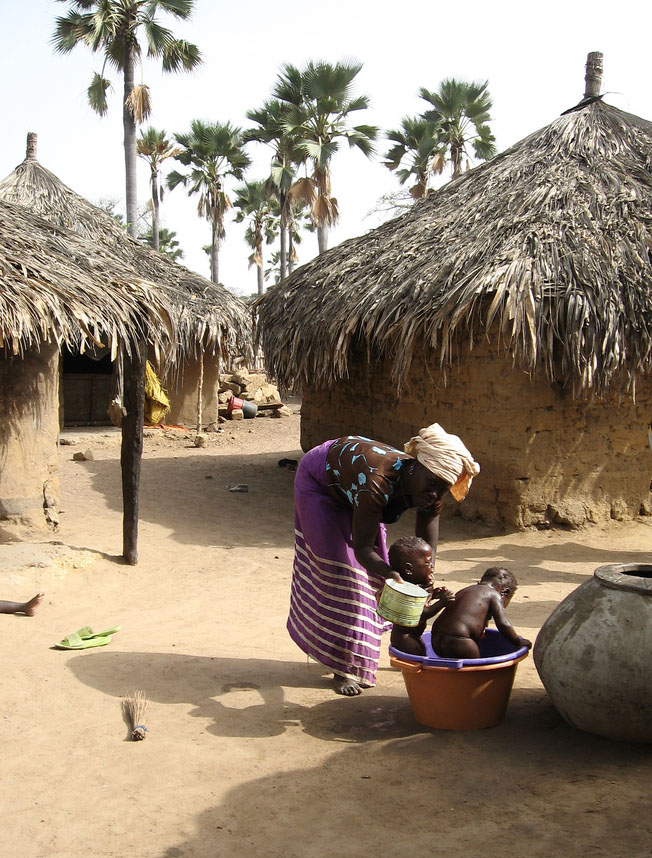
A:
207, 317
545, 249
57, 286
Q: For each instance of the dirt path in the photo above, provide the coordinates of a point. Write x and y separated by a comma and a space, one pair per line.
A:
248, 752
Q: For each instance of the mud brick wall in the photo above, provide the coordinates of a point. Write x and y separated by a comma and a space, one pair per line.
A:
546, 458
29, 429
182, 393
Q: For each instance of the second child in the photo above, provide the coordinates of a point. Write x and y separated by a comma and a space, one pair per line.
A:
456, 632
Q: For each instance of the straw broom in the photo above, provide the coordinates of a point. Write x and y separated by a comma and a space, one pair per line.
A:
133, 709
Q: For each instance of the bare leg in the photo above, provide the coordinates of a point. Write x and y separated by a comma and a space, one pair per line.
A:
28, 608
344, 685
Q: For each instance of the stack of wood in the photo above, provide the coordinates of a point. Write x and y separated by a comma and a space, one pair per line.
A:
254, 387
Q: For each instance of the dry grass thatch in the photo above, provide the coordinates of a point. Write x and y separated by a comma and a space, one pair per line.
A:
57, 286
545, 249
207, 317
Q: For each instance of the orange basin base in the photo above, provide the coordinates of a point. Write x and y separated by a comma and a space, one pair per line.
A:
466, 698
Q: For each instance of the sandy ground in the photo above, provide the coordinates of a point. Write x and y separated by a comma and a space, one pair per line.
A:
249, 753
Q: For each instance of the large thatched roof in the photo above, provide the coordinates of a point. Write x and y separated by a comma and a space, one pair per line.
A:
207, 316
548, 245
57, 286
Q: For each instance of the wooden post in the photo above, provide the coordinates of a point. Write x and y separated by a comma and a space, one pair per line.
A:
30, 155
593, 77
200, 390
132, 446
218, 387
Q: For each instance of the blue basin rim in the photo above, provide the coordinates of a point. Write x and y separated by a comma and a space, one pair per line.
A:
494, 646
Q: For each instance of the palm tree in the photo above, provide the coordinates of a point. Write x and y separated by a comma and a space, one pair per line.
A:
112, 27
320, 103
261, 214
274, 269
109, 205
154, 147
392, 204
167, 242
461, 112
299, 220
414, 154
271, 120
143, 218
211, 151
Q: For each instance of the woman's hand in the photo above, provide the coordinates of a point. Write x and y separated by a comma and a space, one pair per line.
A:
364, 533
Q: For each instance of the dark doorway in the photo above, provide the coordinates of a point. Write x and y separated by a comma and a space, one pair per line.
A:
87, 385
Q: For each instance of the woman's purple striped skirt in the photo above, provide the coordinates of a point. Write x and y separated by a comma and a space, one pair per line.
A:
333, 599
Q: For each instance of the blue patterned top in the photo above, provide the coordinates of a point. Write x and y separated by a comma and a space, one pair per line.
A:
365, 474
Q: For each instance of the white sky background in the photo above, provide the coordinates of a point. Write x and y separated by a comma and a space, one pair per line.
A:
532, 54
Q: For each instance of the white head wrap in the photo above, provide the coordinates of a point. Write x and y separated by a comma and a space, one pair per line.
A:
445, 456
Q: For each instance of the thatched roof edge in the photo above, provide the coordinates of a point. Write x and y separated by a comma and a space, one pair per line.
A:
58, 287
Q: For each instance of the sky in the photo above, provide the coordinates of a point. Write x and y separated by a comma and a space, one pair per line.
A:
532, 55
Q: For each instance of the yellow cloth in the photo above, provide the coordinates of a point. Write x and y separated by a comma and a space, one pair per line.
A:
157, 404
445, 456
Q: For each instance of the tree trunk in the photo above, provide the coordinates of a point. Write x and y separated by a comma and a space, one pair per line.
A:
260, 276
283, 199
322, 179
155, 209
215, 251
456, 158
290, 251
322, 238
129, 126
132, 446
283, 236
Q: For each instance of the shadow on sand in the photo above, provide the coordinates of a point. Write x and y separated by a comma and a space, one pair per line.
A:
546, 789
189, 496
245, 697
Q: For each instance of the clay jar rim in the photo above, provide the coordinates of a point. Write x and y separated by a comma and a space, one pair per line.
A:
622, 576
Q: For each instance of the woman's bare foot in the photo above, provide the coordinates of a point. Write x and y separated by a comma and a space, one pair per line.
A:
30, 607
344, 685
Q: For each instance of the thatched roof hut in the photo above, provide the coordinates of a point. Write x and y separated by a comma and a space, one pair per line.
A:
532, 270
212, 326
551, 240
58, 288
209, 318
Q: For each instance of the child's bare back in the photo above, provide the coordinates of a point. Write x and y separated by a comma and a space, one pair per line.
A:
456, 632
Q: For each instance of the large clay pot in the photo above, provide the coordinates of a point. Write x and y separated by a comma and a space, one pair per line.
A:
594, 652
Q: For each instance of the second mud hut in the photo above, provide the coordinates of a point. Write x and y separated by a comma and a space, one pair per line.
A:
513, 306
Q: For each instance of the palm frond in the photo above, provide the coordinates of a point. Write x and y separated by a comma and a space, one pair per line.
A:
304, 189
179, 8
139, 103
97, 94
70, 30
181, 55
